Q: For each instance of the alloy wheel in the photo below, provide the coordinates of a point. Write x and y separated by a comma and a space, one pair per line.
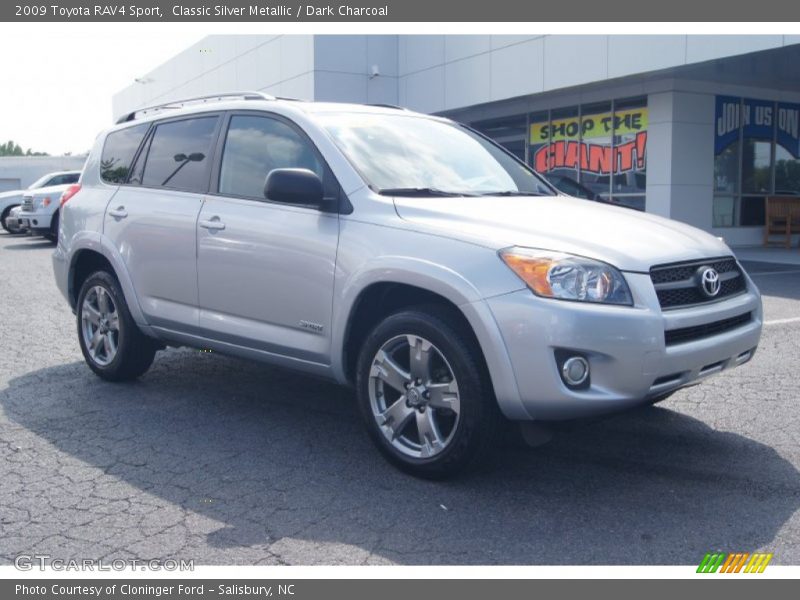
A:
414, 396
100, 325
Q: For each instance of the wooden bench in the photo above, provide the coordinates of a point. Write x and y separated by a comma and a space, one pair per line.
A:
782, 217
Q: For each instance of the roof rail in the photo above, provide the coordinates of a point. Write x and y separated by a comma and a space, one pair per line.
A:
385, 105
175, 104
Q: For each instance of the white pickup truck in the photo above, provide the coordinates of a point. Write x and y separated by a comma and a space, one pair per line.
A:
40, 206
12, 199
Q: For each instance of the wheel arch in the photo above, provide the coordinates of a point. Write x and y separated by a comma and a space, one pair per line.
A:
94, 253
379, 298
84, 263
6, 210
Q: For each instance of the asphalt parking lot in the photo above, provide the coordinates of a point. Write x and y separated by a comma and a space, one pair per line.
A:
229, 462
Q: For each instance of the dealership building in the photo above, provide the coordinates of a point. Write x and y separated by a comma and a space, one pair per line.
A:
18, 172
696, 128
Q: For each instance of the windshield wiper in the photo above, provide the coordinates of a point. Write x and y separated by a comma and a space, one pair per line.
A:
513, 193
420, 191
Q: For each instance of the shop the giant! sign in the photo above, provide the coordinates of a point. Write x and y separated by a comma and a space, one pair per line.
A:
756, 118
573, 142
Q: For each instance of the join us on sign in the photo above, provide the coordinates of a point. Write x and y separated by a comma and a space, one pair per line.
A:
756, 118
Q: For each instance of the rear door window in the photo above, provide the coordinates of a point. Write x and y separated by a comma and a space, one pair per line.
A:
118, 152
179, 155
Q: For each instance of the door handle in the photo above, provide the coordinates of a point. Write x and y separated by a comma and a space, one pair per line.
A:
212, 224
119, 212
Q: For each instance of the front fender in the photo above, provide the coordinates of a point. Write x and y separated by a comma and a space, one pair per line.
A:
446, 283
8, 202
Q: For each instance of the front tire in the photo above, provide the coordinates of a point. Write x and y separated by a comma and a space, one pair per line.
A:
661, 398
112, 345
3, 218
52, 234
425, 394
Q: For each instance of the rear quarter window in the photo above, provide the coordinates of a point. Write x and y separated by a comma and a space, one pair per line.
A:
118, 152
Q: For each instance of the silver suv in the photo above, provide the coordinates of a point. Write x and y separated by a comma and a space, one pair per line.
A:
401, 253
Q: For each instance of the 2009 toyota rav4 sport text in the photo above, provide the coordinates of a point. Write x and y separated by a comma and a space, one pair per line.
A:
401, 253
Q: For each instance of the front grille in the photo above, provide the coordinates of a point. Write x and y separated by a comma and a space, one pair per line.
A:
698, 332
27, 204
677, 287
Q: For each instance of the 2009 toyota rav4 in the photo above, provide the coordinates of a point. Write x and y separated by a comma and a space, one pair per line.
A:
402, 253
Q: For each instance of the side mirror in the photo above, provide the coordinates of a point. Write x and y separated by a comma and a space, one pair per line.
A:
294, 186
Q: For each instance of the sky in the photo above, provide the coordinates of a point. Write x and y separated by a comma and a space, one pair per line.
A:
56, 83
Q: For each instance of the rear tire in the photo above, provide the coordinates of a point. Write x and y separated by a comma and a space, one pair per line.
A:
112, 345
425, 393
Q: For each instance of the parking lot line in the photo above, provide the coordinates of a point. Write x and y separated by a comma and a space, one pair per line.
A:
783, 321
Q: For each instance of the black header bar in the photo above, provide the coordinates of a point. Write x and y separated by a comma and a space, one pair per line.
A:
732, 587
400, 11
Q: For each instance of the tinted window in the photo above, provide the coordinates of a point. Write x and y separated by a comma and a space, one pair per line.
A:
40, 183
255, 146
69, 178
118, 151
179, 155
137, 170
63, 179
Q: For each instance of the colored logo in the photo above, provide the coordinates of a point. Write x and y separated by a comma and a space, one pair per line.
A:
737, 562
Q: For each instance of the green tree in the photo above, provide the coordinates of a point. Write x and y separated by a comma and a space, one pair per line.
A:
11, 148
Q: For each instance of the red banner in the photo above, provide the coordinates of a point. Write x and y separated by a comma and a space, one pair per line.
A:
599, 159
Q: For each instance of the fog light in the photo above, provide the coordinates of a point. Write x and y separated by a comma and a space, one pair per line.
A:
575, 370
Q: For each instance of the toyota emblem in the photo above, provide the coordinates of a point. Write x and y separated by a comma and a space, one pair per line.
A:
709, 281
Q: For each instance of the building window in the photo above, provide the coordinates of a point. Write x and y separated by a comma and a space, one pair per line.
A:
509, 132
787, 172
597, 137
756, 155
594, 151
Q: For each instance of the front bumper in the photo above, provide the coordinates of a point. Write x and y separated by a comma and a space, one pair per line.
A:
35, 221
15, 223
629, 358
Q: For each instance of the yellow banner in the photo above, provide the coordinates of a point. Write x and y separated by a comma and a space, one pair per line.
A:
591, 126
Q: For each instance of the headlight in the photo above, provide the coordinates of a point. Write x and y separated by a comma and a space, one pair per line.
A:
567, 277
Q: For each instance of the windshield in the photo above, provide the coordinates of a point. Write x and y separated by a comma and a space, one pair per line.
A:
408, 154
55, 179
40, 182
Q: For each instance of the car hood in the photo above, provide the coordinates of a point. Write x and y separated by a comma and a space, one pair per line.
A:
11, 194
45, 191
625, 238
